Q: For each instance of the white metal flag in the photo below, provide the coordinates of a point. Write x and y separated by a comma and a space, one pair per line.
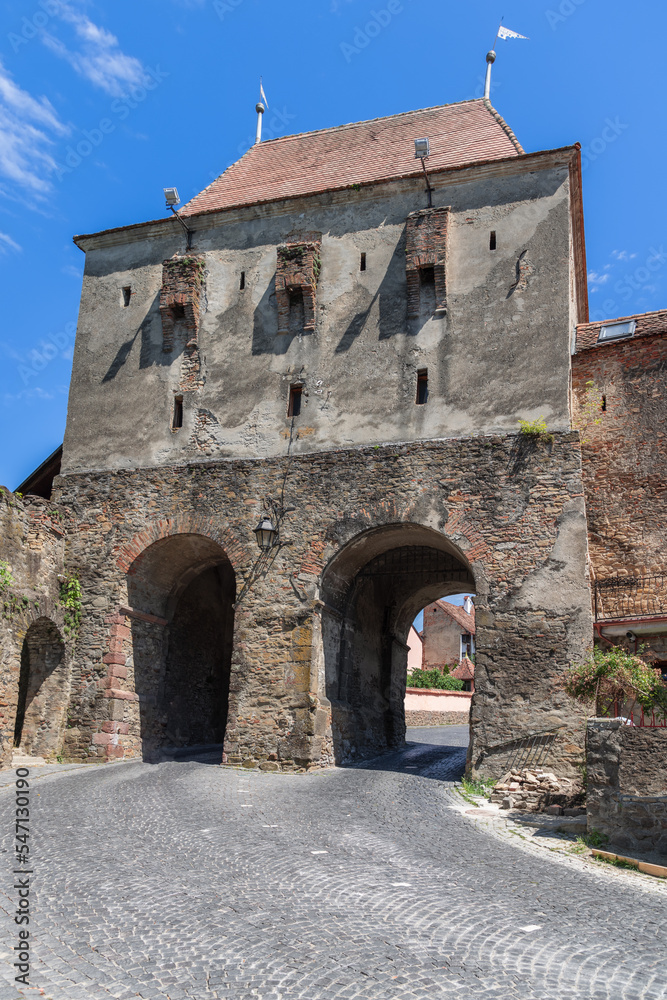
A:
261, 92
506, 33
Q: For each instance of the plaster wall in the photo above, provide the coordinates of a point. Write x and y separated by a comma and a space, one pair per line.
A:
501, 351
426, 700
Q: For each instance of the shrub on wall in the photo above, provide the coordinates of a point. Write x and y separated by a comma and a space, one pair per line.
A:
434, 679
612, 679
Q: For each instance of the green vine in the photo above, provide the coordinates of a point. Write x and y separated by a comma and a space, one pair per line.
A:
589, 410
293, 253
70, 601
6, 578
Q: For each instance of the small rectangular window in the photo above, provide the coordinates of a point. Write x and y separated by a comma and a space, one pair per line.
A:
362, 262
492, 240
242, 281
294, 408
127, 295
427, 276
178, 312
177, 420
422, 386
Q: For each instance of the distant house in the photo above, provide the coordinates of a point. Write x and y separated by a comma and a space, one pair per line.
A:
465, 672
448, 634
415, 652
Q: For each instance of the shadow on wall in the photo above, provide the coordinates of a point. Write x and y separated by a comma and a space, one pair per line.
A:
372, 591
149, 335
389, 300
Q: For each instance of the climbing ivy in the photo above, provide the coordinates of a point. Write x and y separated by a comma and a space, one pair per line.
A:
70, 601
6, 578
589, 410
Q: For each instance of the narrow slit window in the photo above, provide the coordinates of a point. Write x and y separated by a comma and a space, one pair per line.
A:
492, 240
603, 406
294, 408
242, 281
362, 262
422, 386
177, 419
127, 295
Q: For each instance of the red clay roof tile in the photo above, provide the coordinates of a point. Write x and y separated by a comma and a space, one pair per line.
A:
359, 153
647, 324
460, 615
465, 670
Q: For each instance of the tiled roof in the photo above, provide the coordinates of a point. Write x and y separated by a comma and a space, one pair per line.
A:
466, 621
465, 670
360, 153
647, 324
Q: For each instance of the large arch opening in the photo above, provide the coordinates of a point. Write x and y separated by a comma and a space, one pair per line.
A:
372, 591
43, 691
182, 591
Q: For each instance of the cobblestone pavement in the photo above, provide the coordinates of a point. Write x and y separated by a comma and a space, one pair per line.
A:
186, 880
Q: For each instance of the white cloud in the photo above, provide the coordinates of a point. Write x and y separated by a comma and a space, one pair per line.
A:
96, 54
596, 278
27, 129
623, 255
6, 242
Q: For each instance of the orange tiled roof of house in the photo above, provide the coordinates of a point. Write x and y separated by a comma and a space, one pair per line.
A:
460, 615
647, 324
360, 153
465, 670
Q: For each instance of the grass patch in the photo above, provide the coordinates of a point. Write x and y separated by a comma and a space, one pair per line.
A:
478, 786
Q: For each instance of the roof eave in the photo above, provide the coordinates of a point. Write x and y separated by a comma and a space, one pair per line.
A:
165, 227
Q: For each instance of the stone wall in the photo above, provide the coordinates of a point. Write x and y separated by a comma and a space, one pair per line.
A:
620, 406
435, 718
508, 512
626, 796
34, 653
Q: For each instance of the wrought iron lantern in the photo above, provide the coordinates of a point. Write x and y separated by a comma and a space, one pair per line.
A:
265, 533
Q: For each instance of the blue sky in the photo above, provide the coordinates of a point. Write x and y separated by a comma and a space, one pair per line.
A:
103, 104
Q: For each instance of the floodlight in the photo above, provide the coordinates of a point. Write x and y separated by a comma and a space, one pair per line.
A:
171, 196
422, 148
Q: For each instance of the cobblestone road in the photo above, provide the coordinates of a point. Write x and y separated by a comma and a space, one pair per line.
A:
185, 880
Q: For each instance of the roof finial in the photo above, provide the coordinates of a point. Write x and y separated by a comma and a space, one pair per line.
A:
491, 55
260, 108
490, 59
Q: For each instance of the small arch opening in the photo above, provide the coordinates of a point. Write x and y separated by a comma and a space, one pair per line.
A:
42, 691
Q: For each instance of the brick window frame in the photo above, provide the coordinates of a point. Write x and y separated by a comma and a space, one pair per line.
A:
297, 271
425, 248
180, 296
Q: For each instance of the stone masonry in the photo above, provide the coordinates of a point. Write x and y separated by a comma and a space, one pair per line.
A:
626, 796
512, 523
32, 625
